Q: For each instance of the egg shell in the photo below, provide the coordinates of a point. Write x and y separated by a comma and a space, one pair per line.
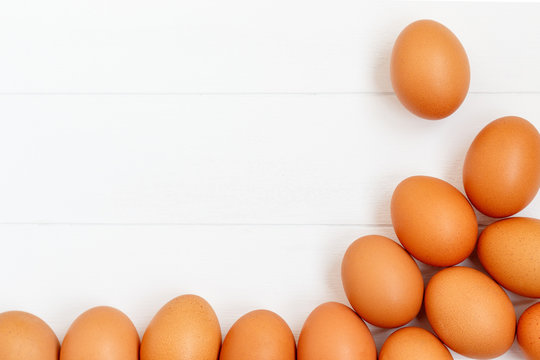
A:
24, 336
509, 250
413, 343
429, 70
101, 333
382, 282
470, 313
433, 220
334, 332
185, 328
260, 334
528, 332
501, 173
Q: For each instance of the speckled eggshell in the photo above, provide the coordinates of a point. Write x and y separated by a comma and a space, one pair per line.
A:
413, 343
528, 332
186, 328
429, 70
260, 334
433, 220
334, 332
470, 313
382, 282
509, 250
24, 336
501, 173
101, 333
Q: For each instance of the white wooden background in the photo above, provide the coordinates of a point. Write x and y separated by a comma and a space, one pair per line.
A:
232, 149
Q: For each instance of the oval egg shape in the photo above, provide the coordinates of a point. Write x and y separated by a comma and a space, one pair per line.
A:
185, 328
470, 313
509, 250
101, 333
429, 70
501, 173
433, 221
382, 282
24, 336
528, 332
334, 331
413, 343
260, 334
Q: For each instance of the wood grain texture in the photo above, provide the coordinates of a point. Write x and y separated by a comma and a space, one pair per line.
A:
303, 159
59, 271
249, 46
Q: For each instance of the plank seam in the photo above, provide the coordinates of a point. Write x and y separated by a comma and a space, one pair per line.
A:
157, 224
255, 93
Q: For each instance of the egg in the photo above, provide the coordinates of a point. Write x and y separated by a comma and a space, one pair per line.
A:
101, 333
260, 334
185, 328
24, 336
429, 70
334, 332
433, 221
501, 173
470, 313
509, 250
528, 332
413, 343
382, 282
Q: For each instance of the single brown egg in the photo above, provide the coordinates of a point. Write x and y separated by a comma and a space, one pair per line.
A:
260, 334
334, 331
429, 70
382, 282
501, 173
185, 328
528, 332
413, 343
433, 221
101, 333
509, 250
470, 313
24, 336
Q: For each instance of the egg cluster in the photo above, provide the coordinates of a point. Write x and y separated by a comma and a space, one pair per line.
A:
435, 223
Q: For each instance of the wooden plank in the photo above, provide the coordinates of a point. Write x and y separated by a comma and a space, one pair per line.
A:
246, 46
227, 159
57, 272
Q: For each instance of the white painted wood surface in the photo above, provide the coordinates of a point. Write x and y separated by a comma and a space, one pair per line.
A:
231, 149
248, 46
278, 159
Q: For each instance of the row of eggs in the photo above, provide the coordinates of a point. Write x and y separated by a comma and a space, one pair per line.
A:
187, 328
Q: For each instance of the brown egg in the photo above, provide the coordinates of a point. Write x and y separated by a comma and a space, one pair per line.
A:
413, 343
101, 333
382, 282
509, 250
528, 332
24, 336
185, 328
260, 334
470, 313
429, 70
501, 173
433, 221
334, 332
